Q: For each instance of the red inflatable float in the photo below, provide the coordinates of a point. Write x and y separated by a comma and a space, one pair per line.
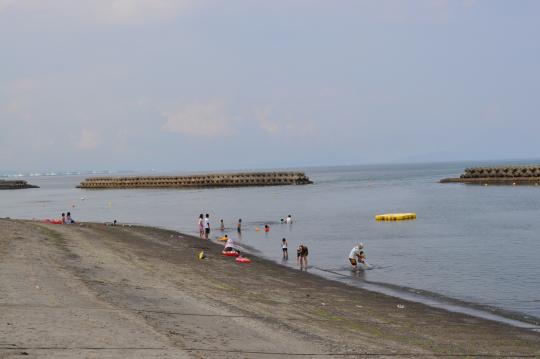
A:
243, 260
52, 221
230, 253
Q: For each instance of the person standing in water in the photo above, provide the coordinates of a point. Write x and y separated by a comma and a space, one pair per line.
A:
356, 255
221, 225
201, 225
284, 249
239, 225
289, 219
301, 256
207, 226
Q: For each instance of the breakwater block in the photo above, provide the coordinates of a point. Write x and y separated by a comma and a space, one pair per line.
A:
499, 175
199, 181
18, 184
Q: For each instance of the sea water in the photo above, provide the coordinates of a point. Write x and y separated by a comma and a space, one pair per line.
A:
474, 244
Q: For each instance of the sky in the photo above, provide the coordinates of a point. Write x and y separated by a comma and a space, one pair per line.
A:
209, 85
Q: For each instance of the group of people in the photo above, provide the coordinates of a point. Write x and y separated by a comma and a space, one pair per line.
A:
204, 225
301, 253
356, 254
66, 218
287, 220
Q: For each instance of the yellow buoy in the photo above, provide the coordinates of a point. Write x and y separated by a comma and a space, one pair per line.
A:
395, 216
223, 239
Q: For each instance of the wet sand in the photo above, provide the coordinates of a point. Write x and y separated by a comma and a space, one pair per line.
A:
95, 291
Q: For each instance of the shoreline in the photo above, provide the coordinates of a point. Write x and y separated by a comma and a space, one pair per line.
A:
411, 294
146, 285
421, 296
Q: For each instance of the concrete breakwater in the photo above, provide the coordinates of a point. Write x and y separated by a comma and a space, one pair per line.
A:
197, 181
17, 184
512, 175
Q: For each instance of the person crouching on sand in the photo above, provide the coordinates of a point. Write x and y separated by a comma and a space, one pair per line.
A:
356, 255
69, 220
230, 246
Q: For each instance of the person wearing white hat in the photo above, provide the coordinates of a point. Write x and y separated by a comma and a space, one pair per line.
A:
356, 255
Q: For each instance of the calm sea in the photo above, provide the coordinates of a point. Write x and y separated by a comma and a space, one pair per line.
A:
471, 246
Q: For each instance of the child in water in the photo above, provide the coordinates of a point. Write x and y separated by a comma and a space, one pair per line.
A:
239, 226
266, 228
284, 248
362, 257
221, 225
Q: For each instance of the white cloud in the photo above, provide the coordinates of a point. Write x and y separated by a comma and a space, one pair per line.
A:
201, 120
102, 11
22, 85
133, 11
16, 95
89, 140
266, 124
4, 4
285, 123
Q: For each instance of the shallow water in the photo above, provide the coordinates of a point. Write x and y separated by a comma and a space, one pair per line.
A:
473, 243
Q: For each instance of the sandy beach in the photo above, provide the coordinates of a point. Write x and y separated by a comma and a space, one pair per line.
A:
95, 291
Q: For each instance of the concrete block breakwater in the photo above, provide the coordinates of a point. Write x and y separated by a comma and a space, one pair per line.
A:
210, 180
18, 184
513, 175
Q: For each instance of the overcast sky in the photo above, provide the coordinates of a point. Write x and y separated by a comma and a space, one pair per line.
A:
202, 85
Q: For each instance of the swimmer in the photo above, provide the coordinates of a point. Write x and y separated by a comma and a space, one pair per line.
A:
289, 219
266, 228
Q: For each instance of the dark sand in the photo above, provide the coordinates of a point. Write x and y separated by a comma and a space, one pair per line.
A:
131, 292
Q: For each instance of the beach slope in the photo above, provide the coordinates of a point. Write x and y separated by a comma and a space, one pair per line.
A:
96, 291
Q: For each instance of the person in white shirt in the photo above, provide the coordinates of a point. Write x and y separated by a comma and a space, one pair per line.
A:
207, 226
284, 249
230, 246
356, 255
289, 219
